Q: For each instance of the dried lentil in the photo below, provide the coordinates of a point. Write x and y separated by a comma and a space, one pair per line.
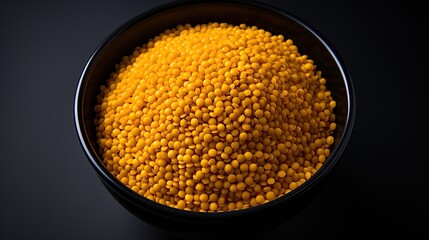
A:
215, 117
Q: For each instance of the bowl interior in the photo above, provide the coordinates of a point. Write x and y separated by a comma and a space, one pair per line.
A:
140, 29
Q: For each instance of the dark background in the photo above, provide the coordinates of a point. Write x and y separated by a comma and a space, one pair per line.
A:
48, 189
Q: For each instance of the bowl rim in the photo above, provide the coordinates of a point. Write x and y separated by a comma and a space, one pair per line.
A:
161, 209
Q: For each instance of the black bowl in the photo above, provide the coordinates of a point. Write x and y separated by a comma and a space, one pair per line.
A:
139, 30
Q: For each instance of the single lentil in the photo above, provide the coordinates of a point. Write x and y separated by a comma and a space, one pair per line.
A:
215, 117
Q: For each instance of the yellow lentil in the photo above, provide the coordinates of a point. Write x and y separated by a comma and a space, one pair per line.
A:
215, 117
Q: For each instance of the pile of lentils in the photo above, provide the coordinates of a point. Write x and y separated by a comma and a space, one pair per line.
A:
215, 117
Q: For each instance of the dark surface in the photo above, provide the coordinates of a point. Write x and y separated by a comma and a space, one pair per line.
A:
50, 191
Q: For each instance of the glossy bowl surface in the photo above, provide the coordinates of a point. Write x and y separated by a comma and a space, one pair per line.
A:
139, 30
